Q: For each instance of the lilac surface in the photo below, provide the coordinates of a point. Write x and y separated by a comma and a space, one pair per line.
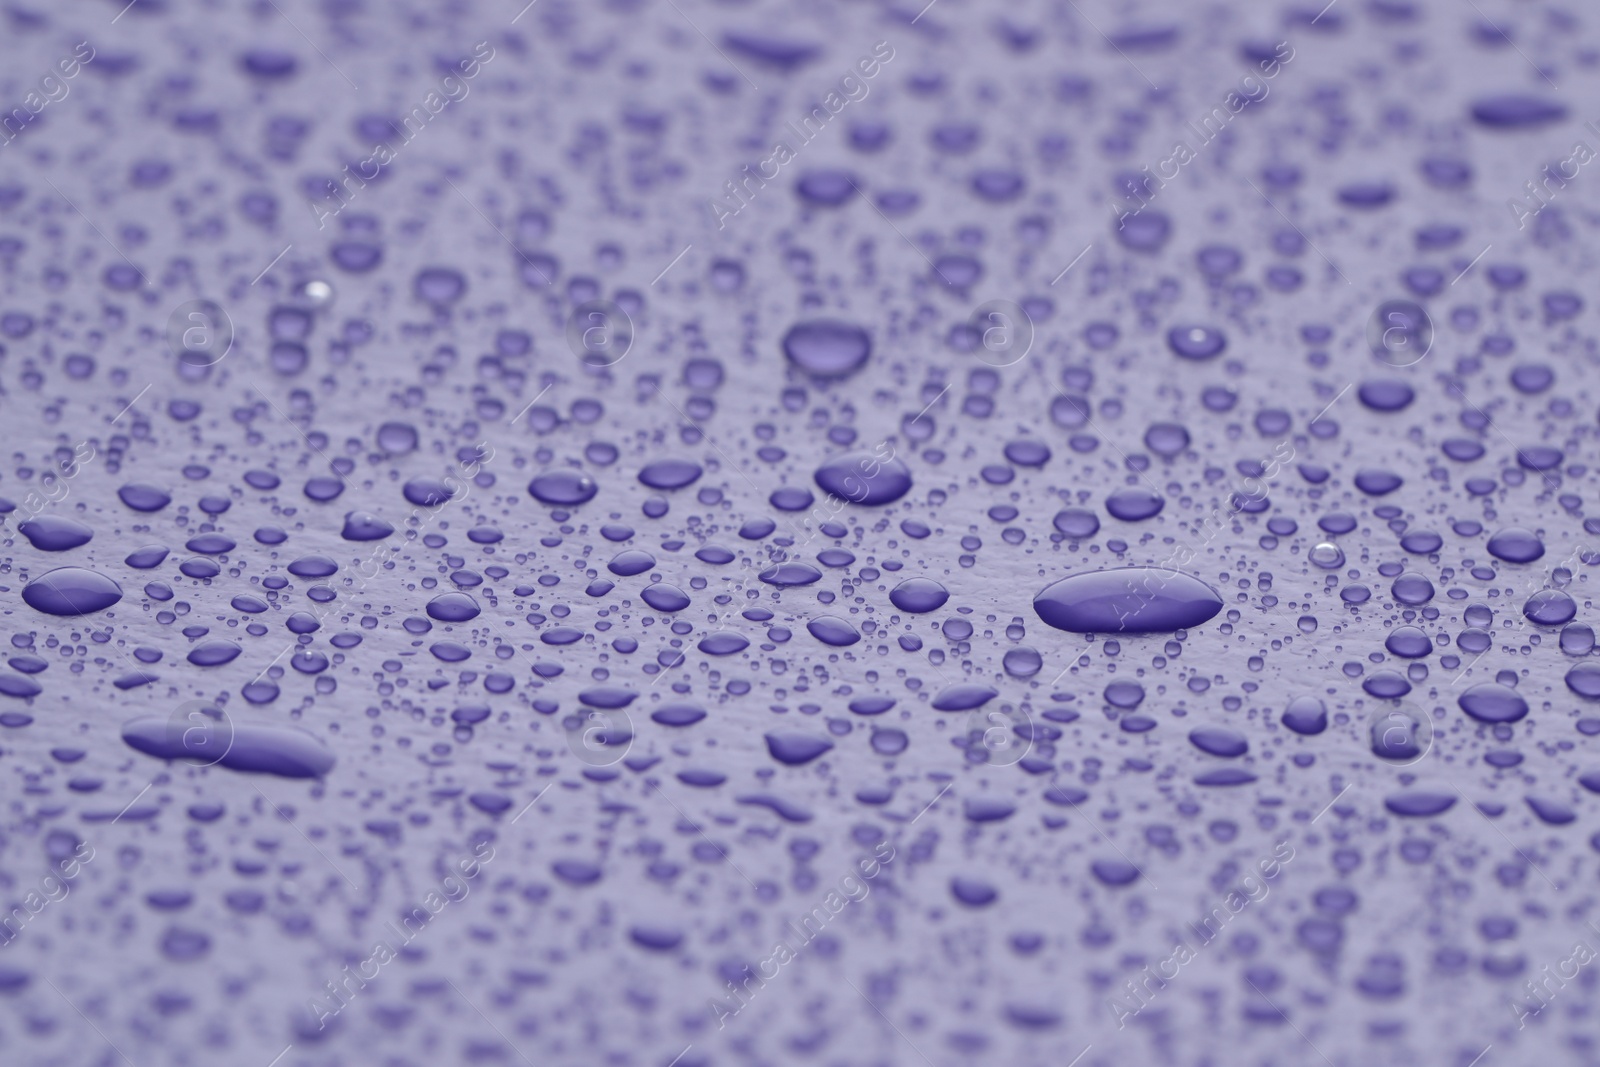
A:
525, 526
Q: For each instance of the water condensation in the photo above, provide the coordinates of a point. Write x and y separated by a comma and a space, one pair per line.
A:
718, 533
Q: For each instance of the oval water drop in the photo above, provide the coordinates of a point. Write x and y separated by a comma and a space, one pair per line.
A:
1127, 600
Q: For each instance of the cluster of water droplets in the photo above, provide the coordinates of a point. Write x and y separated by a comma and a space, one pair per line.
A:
691, 546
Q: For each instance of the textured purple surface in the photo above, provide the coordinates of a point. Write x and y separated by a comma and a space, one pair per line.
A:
566, 533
